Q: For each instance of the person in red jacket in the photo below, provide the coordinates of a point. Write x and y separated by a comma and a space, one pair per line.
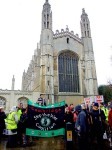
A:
110, 124
110, 116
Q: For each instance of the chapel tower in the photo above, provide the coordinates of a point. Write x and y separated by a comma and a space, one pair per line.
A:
46, 58
90, 70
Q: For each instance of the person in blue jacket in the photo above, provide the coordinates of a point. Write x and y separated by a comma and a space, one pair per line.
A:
81, 127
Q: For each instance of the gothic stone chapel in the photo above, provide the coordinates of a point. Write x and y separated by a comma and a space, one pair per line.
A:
63, 64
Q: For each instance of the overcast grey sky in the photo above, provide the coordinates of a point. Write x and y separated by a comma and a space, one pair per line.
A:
20, 28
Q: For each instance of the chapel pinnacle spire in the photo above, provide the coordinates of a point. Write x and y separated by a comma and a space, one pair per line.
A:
85, 24
84, 14
83, 10
46, 16
13, 83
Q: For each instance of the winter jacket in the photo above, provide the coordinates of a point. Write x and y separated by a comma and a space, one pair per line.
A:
81, 124
110, 118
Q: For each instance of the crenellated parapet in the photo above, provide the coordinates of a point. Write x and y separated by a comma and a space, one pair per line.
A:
5, 92
65, 33
25, 93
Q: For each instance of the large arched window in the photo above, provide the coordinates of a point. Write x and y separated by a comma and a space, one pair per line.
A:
68, 72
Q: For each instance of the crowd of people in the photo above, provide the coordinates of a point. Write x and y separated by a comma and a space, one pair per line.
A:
90, 124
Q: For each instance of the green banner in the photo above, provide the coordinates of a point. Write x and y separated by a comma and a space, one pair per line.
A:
45, 121
62, 103
40, 133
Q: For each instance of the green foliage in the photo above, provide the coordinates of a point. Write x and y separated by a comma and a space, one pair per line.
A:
106, 91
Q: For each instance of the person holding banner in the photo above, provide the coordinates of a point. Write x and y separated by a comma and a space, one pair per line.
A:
22, 125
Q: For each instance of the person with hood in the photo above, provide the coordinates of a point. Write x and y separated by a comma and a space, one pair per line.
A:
81, 127
11, 127
2, 122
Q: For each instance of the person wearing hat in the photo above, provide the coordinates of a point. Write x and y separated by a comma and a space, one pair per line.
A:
81, 127
97, 119
11, 126
2, 121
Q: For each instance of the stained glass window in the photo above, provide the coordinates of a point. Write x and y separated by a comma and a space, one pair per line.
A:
68, 72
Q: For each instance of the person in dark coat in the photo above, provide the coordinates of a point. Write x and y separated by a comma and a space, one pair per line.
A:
2, 121
81, 126
22, 124
97, 129
88, 119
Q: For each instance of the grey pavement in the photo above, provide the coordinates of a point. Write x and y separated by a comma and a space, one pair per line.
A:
55, 143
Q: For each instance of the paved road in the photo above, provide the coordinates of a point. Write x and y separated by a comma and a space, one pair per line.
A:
56, 143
